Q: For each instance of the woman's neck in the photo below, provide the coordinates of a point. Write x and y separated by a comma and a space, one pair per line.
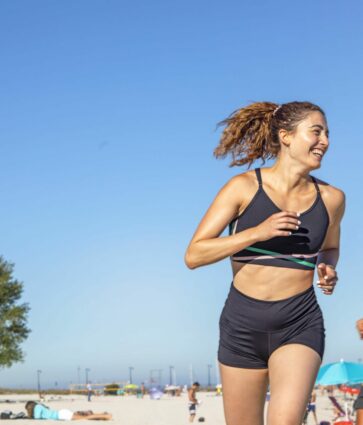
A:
287, 176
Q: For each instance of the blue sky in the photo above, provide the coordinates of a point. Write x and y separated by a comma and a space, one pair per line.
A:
108, 123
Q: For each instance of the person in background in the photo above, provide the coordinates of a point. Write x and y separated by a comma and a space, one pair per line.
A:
358, 404
39, 411
89, 392
143, 389
193, 400
312, 407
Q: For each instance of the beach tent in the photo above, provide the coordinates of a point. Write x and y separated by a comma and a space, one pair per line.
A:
340, 373
131, 387
155, 393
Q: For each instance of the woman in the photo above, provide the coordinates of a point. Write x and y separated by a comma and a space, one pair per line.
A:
39, 411
282, 222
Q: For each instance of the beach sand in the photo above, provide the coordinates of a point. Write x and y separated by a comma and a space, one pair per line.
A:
128, 410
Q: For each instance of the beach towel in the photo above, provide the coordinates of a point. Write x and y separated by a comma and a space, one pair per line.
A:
8, 414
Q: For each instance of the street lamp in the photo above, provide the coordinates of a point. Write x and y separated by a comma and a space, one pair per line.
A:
130, 373
38, 376
152, 379
79, 377
209, 368
171, 375
87, 370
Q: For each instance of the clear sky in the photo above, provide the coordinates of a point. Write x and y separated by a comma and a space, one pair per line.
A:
107, 124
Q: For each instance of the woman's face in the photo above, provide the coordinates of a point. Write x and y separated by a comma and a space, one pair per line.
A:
310, 141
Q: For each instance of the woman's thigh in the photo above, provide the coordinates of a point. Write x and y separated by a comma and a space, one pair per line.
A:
292, 373
244, 392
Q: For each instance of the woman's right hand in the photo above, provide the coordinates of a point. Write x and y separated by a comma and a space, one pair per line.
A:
278, 224
360, 328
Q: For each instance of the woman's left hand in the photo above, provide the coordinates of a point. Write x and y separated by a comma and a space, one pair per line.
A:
328, 278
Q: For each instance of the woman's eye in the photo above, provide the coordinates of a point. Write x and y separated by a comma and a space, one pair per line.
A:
317, 132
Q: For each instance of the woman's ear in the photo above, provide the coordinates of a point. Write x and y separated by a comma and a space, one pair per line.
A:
285, 137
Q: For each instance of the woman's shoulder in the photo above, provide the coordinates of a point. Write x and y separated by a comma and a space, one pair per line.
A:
243, 180
333, 197
240, 189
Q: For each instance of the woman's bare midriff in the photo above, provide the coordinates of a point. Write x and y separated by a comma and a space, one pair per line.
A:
270, 283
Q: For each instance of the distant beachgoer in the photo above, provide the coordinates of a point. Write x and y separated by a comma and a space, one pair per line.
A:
358, 404
193, 400
143, 389
218, 390
89, 392
312, 407
39, 411
283, 224
322, 389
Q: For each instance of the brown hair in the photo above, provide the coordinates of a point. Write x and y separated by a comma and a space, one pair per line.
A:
252, 132
29, 407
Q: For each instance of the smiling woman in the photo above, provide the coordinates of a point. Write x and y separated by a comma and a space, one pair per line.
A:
253, 132
282, 222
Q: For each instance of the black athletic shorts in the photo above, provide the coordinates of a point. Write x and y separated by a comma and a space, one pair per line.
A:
192, 408
251, 329
358, 404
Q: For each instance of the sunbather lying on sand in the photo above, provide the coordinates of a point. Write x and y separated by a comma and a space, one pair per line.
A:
39, 411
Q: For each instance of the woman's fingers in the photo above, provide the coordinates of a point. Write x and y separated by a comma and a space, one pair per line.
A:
283, 233
287, 220
279, 224
293, 214
360, 327
327, 281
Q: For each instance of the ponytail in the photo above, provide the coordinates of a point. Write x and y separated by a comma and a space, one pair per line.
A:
251, 132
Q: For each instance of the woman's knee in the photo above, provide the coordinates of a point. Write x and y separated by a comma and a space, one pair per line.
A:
282, 411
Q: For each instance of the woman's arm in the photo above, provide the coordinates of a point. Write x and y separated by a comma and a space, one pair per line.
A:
207, 246
329, 253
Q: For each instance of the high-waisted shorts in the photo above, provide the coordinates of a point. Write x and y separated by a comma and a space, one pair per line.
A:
251, 329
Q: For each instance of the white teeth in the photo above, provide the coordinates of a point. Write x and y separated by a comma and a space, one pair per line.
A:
318, 152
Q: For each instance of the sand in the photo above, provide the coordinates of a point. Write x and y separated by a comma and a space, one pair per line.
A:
128, 410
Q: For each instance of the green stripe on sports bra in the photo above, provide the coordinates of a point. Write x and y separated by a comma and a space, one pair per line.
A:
295, 260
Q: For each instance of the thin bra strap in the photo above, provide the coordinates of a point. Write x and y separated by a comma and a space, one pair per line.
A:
315, 184
258, 175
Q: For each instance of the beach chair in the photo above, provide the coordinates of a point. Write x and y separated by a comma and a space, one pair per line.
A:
343, 423
340, 413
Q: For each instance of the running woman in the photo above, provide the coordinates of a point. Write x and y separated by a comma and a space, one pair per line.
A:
282, 223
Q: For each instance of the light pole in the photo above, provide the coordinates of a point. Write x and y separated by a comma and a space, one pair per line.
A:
38, 378
87, 370
171, 375
152, 379
79, 377
130, 373
209, 368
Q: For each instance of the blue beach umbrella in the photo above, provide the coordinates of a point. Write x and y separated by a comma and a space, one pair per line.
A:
340, 373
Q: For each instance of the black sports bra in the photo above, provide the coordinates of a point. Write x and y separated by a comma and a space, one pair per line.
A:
298, 251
